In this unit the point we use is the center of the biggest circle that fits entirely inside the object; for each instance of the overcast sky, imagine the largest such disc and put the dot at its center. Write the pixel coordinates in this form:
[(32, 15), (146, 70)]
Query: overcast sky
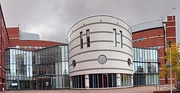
[(52, 19)]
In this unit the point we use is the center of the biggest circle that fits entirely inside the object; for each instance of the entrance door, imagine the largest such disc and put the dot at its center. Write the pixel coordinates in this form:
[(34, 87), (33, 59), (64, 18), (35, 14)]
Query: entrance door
[(44, 83), (139, 79)]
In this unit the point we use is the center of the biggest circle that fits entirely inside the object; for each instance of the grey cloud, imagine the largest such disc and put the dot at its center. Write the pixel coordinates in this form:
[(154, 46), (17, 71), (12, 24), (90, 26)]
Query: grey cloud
[(53, 18)]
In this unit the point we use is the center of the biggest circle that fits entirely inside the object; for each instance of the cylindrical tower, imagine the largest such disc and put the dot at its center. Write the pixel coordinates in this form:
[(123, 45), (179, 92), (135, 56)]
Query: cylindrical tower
[(100, 53)]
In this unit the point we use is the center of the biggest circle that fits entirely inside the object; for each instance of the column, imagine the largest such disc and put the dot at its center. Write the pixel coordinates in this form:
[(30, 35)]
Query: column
[(70, 80), (131, 80), (87, 81), (118, 79)]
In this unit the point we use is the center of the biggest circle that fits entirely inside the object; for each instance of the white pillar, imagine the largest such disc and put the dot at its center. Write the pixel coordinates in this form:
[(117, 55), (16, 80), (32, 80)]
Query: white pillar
[(87, 81), (118, 79), (132, 80), (70, 79)]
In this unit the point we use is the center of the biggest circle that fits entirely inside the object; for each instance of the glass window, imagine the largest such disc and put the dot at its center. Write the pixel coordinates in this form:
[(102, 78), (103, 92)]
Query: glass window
[(22, 65), (36, 47), (154, 47), (88, 37), (133, 41), (102, 80), (120, 39), (146, 70), (137, 39), (40, 47), (81, 40), (25, 47), (78, 81), (158, 46), (18, 46), (114, 38), (30, 47)]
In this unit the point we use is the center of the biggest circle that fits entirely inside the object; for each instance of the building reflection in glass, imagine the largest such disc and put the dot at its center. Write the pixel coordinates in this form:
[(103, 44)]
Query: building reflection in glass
[(45, 68), (145, 66)]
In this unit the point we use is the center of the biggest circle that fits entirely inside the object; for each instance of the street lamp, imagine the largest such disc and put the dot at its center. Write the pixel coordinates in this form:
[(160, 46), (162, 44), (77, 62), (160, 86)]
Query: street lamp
[(170, 65)]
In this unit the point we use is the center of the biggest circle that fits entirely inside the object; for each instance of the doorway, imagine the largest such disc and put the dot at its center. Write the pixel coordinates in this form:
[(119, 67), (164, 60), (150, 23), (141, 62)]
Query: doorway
[(43, 83)]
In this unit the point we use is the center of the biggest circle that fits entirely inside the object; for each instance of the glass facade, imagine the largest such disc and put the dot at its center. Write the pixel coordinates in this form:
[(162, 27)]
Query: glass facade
[(102, 80), (95, 81), (78, 81), (45, 68), (146, 70), (126, 80)]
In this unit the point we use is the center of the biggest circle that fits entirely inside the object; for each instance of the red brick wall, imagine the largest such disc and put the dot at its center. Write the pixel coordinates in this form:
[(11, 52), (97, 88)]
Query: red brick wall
[(171, 18), (3, 45), (171, 29), (13, 32)]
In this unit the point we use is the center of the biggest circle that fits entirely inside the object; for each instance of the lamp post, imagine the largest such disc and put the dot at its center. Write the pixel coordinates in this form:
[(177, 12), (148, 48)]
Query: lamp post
[(170, 65)]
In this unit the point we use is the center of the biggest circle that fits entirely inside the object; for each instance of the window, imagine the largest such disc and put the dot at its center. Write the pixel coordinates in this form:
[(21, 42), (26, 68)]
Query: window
[(159, 47), (120, 39), (133, 41), (36, 47), (25, 47), (78, 81), (88, 37), (74, 63), (149, 67), (102, 80), (114, 39), (81, 40), (30, 47), (141, 38), (102, 59), (40, 47), (154, 47), (18, 46), (137, 39)]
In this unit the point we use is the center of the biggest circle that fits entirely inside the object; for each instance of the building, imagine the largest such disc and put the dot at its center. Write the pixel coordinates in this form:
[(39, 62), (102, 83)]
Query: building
[(155, 34), (45, 68), (100, 53), (20, 40), (3, 45), (26, 67), (146, 71), (28, 36), (100, 56)]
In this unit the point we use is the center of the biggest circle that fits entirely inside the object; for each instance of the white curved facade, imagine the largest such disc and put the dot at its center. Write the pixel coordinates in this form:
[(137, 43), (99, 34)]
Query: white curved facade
[(99, 50)]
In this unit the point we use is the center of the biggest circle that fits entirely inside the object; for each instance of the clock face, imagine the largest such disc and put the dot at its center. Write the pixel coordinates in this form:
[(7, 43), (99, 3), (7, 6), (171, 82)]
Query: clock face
[(102, 59)]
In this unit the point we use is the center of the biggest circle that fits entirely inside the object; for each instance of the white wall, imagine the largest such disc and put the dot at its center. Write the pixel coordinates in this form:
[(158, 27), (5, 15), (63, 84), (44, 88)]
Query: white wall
[(101, 31)]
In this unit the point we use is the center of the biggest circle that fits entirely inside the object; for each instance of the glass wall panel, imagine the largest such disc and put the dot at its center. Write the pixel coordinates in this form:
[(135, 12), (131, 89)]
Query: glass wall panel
[(45, 68), (102, 80), (145, 66)]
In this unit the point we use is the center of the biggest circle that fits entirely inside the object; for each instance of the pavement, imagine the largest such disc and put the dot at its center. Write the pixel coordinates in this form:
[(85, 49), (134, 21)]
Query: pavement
[(142, 89)]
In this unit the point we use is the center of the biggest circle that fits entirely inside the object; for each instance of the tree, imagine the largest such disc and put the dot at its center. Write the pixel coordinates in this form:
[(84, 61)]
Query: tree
[(175, 60)]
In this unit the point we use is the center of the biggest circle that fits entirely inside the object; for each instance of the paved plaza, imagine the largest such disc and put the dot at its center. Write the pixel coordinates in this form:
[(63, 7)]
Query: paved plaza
[(143, 89)]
